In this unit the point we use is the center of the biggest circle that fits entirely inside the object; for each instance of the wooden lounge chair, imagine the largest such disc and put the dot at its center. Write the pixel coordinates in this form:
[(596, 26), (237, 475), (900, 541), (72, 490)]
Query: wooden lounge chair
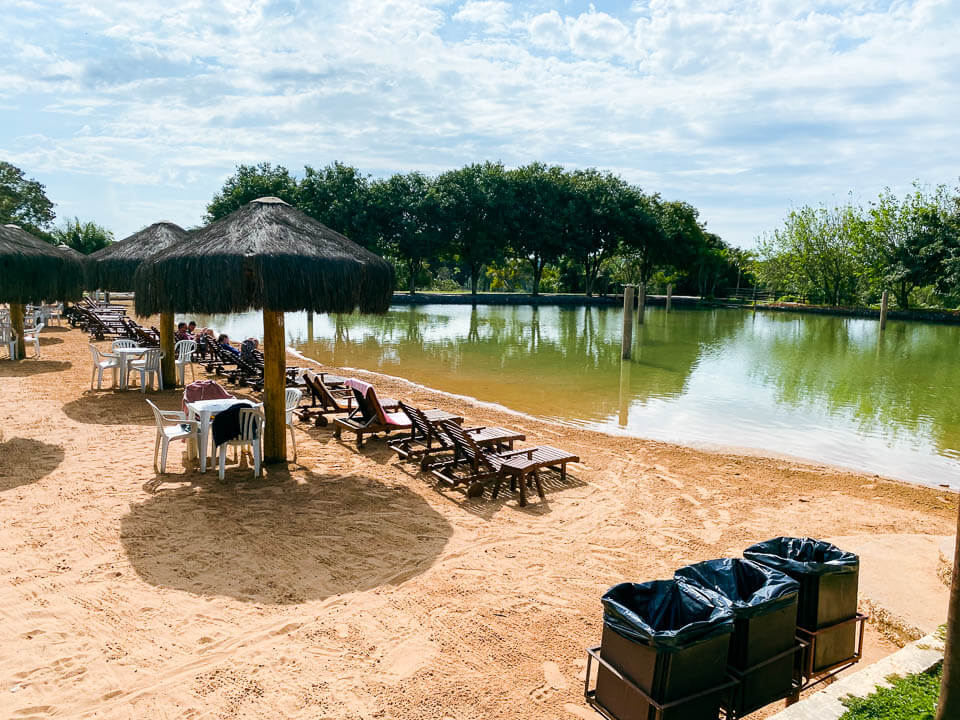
[(482, 466), (327, 400), (426, 439), (370, 416)]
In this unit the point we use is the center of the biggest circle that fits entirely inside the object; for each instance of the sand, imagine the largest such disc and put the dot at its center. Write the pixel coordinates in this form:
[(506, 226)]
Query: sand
[(349, 585)]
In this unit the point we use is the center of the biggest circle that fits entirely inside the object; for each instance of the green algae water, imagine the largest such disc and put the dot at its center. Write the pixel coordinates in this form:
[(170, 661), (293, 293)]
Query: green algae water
[(826, 389)]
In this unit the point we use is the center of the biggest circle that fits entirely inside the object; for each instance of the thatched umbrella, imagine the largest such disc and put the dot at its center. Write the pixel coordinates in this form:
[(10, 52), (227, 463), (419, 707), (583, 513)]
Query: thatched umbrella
[(32, 271), (112, 269), (71, 252), (269, 256)]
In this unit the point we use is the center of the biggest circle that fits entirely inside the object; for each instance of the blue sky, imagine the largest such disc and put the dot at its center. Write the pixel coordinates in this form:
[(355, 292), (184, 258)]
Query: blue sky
[(135, 111)]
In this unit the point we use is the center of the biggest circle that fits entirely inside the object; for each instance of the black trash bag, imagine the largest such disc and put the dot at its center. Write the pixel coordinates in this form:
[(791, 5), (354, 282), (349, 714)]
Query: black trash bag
[(749, 588), (664, 614), (798, 557)]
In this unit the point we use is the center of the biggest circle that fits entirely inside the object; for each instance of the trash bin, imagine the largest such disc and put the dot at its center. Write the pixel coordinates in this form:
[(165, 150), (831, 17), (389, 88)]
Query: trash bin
[(828, 579), (672, 642), (764, 605)]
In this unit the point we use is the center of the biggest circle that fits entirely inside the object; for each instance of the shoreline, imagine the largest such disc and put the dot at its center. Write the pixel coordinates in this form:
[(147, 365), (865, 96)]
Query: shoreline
[(718, 449), (685, 302)]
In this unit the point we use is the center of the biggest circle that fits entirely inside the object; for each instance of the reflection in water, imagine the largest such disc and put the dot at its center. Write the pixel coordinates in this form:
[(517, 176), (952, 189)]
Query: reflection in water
[(829, 389)]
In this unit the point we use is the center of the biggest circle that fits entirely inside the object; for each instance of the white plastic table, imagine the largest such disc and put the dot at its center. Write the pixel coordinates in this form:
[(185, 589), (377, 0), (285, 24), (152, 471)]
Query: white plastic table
[(204, 410), (125, 353)]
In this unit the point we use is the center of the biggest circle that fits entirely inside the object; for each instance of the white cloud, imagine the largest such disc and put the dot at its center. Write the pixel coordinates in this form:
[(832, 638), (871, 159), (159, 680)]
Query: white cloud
[(494, 14), (548, 30), (740, 106)]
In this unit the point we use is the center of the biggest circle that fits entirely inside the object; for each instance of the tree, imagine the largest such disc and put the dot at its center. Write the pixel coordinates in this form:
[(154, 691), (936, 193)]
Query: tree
[(84, 237), (23, 201), (539, 216), (248, 183), (339, 196), (905, 241), (598, 219), (644, 243), (405, 211), (816, 254), (473, 206)]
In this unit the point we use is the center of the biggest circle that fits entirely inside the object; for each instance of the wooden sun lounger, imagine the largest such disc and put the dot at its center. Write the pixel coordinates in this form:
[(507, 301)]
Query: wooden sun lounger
[(426, 439), (326, 400), (369, 417), (482, 466)]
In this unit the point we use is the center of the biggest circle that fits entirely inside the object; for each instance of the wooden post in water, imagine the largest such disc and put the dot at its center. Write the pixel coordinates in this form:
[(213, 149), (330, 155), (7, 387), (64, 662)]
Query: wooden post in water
[(884, 300), (16, 323), (274, 387), (309, 326), (641, 302), (168, 366), (627, 341), (669, 295)]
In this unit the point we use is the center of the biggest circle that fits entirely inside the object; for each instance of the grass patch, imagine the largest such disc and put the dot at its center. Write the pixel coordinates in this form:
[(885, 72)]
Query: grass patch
[(911, 698)]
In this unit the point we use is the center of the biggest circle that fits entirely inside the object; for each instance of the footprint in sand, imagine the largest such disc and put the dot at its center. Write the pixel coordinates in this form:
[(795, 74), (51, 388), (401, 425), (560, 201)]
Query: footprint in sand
[(553, 676)]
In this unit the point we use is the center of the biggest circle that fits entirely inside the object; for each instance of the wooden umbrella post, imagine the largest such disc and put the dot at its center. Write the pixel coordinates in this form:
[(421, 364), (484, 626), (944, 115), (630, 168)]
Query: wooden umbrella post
[(16, 322), (274, 387), (168, 366)]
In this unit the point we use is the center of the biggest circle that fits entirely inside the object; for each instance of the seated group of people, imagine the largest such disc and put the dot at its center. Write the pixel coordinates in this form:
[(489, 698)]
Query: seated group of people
[(247, 352)]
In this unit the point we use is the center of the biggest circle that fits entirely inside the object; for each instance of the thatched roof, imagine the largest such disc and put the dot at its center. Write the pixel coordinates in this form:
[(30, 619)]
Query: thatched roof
[(112, 268), (32, 270), (71, 252), (265, 255)]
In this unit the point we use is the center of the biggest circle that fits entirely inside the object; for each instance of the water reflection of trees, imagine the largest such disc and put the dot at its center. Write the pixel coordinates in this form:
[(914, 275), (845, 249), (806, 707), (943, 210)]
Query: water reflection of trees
[(893, 384), (559, 362)]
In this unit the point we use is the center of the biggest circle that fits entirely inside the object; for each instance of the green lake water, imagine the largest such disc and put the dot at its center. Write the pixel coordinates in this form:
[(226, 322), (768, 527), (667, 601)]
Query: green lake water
[(827, 389)]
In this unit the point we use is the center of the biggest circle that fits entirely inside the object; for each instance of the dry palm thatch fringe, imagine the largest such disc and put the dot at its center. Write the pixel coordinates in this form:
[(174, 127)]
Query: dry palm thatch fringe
[(112, 268), (265, 255), (34, 271)]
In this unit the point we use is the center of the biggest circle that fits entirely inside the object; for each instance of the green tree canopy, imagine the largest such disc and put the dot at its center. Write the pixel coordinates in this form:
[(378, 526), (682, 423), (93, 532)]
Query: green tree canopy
[(250, 182), (474, 202), (339, 196), (84, 237), (23, 201), (404, 210)]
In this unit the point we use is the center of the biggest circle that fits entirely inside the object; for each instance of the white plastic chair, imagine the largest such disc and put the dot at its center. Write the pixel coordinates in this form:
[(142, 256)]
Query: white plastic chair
[(180, 429), (148, 367), (9, 338), (123, 343), (55, 311), (183, 351), (251, 433), (112, 363), (33, 337), (292, 398)]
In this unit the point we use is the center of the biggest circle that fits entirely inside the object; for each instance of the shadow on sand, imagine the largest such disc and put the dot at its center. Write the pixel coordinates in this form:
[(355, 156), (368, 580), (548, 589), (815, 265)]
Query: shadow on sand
[(28, 366), (24, 461), (108, 407), (282, 540)]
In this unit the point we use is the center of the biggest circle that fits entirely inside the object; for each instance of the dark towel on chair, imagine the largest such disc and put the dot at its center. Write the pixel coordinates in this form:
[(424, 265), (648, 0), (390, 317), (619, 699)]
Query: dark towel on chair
[(226, 424)]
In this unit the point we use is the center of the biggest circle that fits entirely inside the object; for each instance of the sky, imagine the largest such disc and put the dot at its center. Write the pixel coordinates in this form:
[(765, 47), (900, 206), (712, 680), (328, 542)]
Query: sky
[(134, 111)]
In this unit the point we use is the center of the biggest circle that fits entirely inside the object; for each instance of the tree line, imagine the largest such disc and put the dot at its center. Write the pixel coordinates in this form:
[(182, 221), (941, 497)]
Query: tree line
[(850, 253), (484, 226)]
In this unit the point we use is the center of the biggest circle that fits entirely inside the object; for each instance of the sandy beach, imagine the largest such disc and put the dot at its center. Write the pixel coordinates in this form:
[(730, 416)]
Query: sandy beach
[(349, 586)]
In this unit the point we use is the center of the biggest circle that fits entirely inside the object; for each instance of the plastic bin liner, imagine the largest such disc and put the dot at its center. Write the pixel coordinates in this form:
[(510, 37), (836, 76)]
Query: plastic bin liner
[(749, 588), (803, 556), (664, 614)]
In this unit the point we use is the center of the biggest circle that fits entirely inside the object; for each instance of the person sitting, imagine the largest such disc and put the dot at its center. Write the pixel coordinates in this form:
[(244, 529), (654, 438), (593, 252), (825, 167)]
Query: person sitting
[(182, 333), (224, 342), (192, 329), (248, 350)]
